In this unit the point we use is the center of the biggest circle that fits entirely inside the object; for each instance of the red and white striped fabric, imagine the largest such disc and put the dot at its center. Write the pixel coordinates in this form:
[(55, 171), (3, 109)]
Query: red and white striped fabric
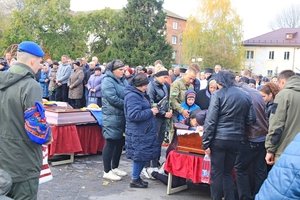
[(46, 174)]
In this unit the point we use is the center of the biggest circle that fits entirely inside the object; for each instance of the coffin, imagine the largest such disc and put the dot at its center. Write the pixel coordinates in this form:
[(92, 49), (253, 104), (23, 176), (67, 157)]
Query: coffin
[(189, 141), (64, 116)]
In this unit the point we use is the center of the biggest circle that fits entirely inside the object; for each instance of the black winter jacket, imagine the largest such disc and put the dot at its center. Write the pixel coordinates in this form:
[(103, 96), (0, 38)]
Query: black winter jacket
[(229, 112), (158, 93)]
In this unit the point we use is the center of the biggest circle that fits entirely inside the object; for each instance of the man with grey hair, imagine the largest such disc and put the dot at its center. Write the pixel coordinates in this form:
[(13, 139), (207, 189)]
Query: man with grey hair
[(62, 76), (20, 156), (218, 68)]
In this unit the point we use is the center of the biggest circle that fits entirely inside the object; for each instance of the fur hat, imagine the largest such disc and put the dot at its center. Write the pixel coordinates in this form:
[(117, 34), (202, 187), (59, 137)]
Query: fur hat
[(31, 48), (140, 79), (160, 70), (5, 182)]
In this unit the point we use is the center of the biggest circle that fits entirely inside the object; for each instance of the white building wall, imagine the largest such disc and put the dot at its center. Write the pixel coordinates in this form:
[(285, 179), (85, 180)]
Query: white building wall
[(260, 64)]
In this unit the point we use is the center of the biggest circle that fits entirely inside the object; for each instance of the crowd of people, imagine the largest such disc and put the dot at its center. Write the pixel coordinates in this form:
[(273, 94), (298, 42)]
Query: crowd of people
[(247, 120)]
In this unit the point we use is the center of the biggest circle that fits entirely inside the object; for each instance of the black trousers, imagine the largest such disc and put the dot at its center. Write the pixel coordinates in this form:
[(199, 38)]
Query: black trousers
[(250, 163), (223, 156), (62, 93), (112, 153)]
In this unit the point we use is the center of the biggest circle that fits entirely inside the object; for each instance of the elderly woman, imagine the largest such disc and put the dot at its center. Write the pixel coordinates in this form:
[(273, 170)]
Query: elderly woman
[(230, 110), (141, 143), (112, 88), (75, 83), (203, 96)]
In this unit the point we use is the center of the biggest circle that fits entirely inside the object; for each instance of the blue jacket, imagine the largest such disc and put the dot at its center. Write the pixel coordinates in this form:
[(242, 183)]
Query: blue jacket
[(140, 140), (283, 181), (187, 107), (44, 85), (113, 106)]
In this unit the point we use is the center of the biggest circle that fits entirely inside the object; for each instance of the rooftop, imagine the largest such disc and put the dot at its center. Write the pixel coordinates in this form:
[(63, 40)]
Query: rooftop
[(284, 37), (174, 15)]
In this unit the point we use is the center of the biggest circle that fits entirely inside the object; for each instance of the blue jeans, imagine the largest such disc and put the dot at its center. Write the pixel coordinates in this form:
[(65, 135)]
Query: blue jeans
[(250, 163), (137, 168)]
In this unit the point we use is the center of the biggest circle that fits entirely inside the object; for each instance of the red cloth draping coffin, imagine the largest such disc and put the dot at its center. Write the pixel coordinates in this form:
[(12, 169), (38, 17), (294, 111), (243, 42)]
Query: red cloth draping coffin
[(91, 138), (65, 140), (184, 165)]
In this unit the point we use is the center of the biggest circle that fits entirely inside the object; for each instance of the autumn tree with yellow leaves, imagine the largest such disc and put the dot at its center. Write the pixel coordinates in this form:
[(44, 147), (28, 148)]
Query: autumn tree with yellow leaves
[(215, 35)]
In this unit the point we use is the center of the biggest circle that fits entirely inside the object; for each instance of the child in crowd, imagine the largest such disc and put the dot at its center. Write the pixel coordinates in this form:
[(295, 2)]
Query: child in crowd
[(188, 104), (44, 81)]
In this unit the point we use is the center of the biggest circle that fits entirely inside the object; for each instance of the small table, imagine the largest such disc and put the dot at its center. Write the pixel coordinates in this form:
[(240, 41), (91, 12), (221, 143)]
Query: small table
[(75, 139), (185, 165)]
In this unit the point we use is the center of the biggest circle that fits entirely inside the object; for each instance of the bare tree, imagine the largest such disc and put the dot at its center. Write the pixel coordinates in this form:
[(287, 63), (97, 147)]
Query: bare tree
[(288, 18)]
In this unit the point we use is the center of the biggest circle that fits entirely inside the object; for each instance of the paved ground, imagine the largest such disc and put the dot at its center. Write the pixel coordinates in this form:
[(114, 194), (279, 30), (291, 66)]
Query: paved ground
[(83, 180)]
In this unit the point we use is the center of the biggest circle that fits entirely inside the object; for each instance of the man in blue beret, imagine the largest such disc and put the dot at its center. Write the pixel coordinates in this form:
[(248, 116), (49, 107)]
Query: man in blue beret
[(19, 156)]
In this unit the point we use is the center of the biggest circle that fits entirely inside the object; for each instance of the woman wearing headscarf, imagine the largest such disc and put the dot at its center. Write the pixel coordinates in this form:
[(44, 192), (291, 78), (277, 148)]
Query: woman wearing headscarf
[(141, 143), (203, 96), (230, 110), (112, 88)]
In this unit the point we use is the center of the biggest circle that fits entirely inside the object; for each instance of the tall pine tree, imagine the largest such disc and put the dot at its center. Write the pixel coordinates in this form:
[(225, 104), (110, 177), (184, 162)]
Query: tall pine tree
[(140, 36)]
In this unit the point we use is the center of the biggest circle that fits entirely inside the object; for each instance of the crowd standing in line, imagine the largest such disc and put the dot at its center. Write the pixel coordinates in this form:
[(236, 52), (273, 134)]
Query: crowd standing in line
[(249, 119)]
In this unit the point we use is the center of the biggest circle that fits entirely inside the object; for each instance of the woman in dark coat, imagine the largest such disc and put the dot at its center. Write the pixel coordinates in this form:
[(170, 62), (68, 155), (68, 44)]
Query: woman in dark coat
[(112, 88), (141, 143), (203, 96)]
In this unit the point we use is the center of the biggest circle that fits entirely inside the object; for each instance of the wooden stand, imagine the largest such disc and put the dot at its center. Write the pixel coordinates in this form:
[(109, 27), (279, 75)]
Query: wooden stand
[(64, 161), (171, 190)]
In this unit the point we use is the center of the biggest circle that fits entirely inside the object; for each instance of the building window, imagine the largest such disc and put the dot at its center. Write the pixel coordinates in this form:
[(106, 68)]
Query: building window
[(174, 55), (249, 54), (270, 73), (286, 55), (174, 39), (175, 25), (271, 55)]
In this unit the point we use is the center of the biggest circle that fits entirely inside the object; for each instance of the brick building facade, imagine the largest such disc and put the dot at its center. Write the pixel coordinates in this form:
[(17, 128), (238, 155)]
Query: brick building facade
[(175, 26)]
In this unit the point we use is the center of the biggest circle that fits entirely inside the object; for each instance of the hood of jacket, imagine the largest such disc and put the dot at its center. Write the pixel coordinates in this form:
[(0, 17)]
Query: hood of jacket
[(17, 72), (293, 83)]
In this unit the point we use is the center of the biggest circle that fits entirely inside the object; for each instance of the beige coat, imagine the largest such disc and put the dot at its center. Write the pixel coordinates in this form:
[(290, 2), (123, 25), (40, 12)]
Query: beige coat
[(75, 84)]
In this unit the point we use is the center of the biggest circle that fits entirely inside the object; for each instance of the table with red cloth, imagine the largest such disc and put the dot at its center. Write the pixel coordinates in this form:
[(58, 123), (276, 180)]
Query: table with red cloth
[(76, 139), (185, 165)]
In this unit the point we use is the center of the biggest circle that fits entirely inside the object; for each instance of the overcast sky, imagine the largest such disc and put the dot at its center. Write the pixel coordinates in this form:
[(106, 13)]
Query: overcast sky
[(257, 15)]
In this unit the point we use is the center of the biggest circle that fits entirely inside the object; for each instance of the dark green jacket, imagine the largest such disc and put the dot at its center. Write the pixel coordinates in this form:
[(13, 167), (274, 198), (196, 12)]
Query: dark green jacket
[(113, 106), (284, 118), (19, 156)]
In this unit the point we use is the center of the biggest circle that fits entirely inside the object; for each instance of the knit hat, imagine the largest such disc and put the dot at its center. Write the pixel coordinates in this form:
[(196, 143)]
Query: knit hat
[(140, 79), (98, 68), (116, 64), (37, 129), (199, 115), (208, 70), (160, 71), (5, 182), (77, 63), (31, 48), (190, 94)]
